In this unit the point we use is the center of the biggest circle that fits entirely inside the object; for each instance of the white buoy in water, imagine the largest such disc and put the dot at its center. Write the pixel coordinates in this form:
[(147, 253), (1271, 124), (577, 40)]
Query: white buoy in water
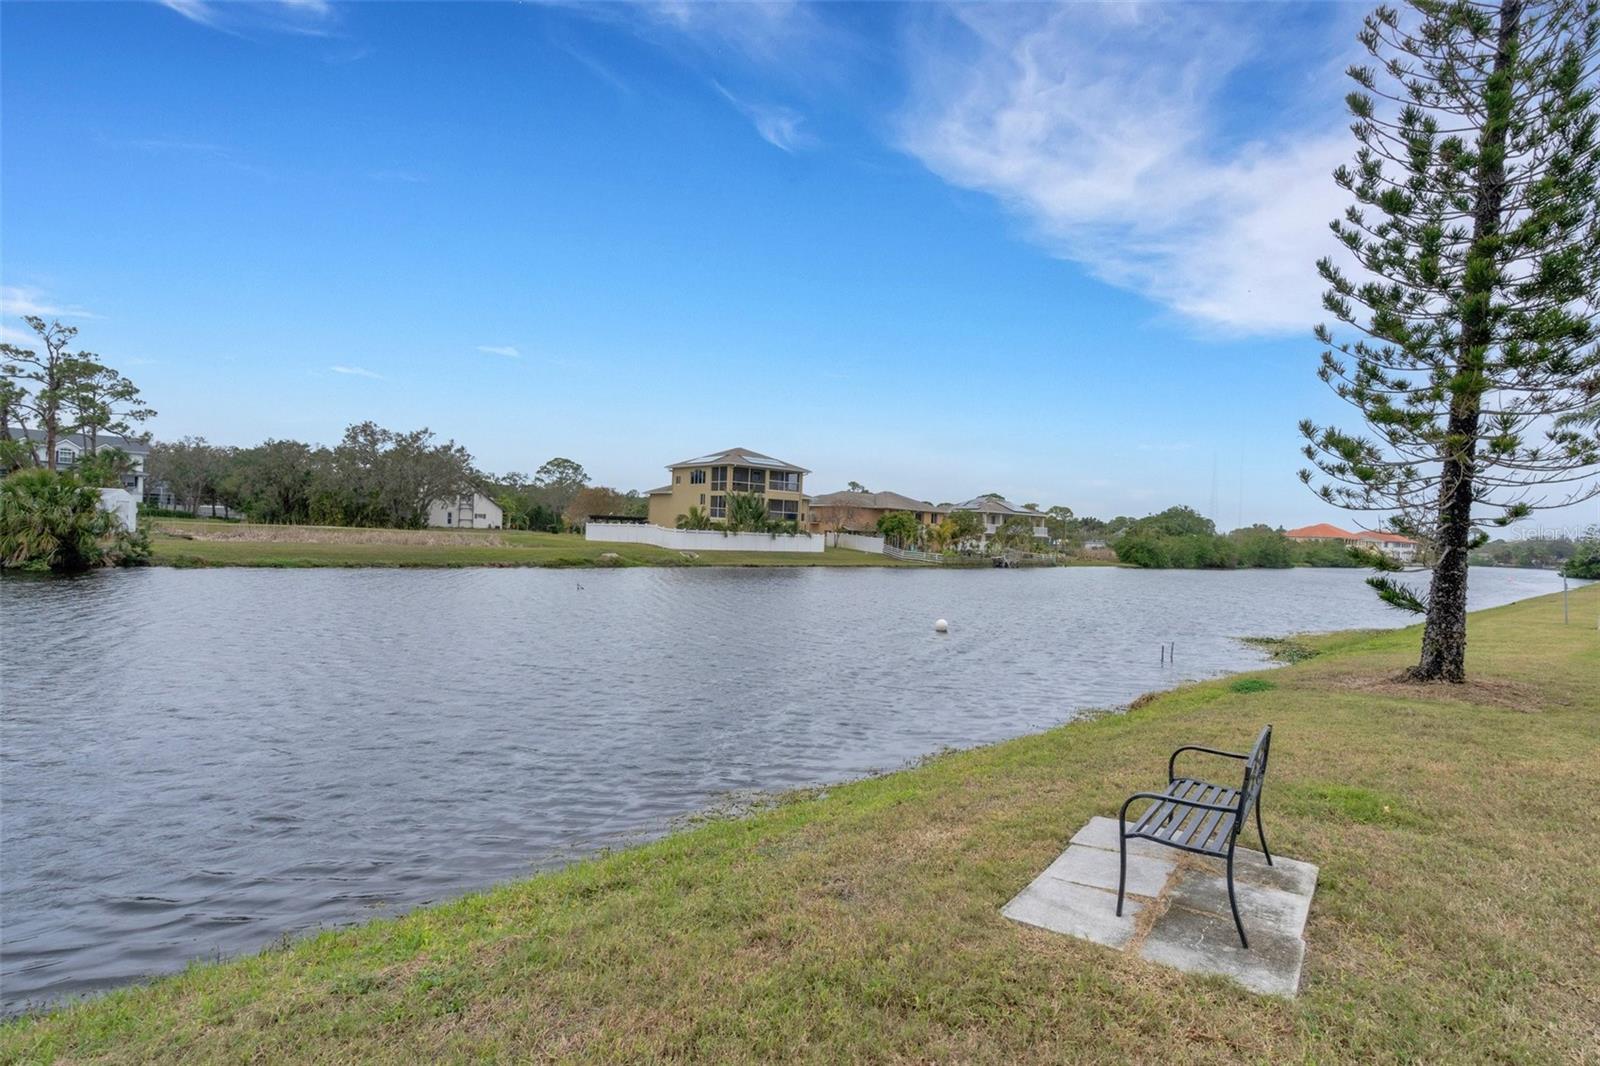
[(941, 626)]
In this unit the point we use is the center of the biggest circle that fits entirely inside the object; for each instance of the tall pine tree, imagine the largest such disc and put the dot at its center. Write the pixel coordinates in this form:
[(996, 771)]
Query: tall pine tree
[(1475, 232)]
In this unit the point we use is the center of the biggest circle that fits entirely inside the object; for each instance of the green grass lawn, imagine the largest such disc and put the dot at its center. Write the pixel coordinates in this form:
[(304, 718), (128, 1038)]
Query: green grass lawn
[(234, 545), (1456, 919)]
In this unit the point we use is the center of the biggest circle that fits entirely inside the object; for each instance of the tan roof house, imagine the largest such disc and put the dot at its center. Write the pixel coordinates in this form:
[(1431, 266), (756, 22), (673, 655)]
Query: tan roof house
[(858, 512), (707, 480)]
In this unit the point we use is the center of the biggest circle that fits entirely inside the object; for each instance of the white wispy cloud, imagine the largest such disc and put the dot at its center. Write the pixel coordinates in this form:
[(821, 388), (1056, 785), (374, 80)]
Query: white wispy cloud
[(200, 11), (594, 66), (311, 17), (781, 127), (790, 46), (356, 371), (22, 338), (19, 300), (500, 349), (1099, 124), (756, 30)]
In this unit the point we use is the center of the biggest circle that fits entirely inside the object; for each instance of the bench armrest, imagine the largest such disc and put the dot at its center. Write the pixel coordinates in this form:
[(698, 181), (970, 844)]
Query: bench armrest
[(1173, 762)]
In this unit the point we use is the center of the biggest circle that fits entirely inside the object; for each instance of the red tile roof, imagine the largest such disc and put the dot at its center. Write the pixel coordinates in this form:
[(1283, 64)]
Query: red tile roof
[(1321, 530)]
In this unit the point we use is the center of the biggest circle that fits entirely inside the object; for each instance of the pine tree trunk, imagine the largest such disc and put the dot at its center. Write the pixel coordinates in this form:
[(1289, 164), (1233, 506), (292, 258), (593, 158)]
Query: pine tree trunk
[(1444, 635)]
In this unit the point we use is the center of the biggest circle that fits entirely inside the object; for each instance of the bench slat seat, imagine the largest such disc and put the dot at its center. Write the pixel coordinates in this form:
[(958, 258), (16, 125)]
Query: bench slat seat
[(1176, 822)]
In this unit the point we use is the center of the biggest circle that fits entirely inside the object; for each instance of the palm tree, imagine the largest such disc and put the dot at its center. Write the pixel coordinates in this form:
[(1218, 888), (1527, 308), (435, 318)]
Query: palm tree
[(107, 467), (695, 519), (747, 513)]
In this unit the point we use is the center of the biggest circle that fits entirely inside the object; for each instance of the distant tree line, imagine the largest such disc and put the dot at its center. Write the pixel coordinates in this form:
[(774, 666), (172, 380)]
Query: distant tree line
[(1182, 538), (372, 477), (1542, 553), (1177, 538)]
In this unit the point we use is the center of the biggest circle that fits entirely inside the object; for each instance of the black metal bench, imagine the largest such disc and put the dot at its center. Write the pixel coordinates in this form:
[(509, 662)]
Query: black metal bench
[(1198, 816)]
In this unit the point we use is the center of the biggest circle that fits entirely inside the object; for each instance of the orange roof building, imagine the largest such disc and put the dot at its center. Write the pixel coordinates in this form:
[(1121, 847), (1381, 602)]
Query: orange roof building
[(1320, 531)]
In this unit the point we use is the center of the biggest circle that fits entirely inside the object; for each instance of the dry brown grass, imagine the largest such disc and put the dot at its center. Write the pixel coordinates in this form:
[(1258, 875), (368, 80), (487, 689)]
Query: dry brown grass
[(264, 534)]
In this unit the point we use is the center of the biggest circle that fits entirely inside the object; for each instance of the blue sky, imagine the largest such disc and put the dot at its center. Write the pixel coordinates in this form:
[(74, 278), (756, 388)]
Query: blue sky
[(1061, 253)]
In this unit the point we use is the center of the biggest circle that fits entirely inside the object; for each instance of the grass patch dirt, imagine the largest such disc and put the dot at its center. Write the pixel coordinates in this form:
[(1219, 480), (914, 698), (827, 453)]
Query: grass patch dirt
[(1455, 918), (1251, 684)]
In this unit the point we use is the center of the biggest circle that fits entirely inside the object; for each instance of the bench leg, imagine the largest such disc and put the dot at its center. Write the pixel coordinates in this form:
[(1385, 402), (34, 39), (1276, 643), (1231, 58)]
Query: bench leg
[(1122, 874), (1262, 833), (1234, 903)]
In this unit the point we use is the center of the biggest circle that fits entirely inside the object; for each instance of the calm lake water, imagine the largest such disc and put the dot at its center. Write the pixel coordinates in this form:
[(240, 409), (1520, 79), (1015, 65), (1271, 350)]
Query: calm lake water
[(197, 762)]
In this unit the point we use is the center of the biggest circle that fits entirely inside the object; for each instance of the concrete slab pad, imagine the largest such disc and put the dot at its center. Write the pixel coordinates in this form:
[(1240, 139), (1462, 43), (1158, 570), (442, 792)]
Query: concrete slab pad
[(1147, 875), (1076, 910), (1103, 833), (1193, 929), (1287, 875), (1259, 907), (1198, 943)]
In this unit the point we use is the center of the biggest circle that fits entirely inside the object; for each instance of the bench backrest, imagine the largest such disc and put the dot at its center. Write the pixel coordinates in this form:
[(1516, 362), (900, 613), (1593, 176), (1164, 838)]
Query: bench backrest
[(1255, 772)]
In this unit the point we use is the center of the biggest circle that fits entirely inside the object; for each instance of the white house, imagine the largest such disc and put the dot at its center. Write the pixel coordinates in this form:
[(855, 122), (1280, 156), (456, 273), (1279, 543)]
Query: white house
[(996, 512), (1402, 549), (70, 447), (470, 510)]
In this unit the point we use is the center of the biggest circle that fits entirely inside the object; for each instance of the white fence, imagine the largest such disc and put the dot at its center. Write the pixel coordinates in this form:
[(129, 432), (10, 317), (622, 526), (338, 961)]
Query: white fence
[(911, 555), (857, 542), (700, 540)]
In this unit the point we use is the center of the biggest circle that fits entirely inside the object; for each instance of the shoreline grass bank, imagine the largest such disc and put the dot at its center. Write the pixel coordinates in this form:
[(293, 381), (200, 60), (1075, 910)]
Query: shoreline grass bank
[(1455, 919), (199, 543)]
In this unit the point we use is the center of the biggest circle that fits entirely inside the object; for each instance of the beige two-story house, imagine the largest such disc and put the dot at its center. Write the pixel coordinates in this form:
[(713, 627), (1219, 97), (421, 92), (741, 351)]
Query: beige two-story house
[(707, 481)]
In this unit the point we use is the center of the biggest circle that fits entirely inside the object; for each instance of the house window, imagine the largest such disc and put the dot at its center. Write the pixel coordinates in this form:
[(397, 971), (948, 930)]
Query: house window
[(697, 477), (702, 499), (480, 516), (719, 479), (784, 510), (66, 456), (449, 519), (747, 480), (719, 507), (784, 482)]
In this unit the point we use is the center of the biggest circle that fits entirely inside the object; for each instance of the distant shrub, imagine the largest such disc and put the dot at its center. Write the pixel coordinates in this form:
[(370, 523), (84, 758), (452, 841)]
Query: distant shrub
[(1324, 553), (52, 521)]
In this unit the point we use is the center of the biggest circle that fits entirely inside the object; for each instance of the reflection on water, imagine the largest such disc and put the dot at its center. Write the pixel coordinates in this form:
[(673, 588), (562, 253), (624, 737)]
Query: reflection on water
[(196, 762)]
